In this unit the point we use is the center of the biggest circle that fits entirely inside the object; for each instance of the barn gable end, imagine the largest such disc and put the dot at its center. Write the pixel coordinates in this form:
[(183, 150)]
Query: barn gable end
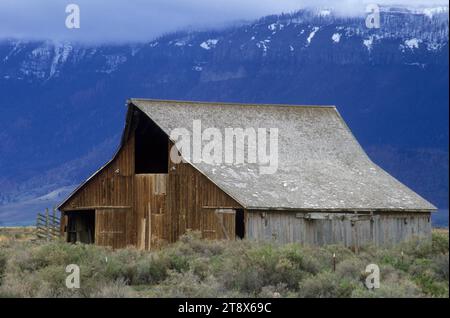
[(147, 209)]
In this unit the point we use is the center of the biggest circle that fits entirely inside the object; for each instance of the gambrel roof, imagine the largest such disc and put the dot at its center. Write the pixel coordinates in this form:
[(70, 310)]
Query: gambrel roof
[(321, 166)]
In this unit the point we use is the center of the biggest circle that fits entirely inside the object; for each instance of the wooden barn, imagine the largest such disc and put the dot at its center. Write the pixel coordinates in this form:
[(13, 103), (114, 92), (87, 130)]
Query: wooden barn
[(325, 190)]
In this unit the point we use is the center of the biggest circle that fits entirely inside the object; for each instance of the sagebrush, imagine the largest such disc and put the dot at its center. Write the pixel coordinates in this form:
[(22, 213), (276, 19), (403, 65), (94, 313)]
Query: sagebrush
[(196, 268)]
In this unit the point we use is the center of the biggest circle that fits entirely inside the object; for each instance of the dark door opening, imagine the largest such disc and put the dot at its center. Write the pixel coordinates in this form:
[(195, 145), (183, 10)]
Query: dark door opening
[(81, 226), (240, 224)]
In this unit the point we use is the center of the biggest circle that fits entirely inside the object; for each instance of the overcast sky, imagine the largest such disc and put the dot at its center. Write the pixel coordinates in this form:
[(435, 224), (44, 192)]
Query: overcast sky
[(143, 20)]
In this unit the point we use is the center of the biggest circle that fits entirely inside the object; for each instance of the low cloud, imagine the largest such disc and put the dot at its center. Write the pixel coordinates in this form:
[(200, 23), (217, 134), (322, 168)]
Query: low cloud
[(142, 20)]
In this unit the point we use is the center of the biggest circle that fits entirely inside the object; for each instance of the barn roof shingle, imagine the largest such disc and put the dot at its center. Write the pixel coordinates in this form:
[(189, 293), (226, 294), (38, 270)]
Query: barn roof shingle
[(321, 164)]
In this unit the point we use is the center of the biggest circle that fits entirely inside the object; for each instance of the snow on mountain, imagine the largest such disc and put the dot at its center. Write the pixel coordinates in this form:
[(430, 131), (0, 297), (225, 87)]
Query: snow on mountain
[(336, 37), (311, 35), (31, 60), (50, 137), (368, 43), (413, 28), (209, 44), (412, 43), (431, 12)]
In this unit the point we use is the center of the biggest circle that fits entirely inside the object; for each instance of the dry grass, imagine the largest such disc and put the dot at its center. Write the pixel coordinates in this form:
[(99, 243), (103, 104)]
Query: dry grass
[(197, 268), (8, 234)]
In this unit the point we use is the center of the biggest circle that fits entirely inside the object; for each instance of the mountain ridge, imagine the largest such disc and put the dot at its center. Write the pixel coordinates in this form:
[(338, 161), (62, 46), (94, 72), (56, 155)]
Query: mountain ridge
[(390, 85)]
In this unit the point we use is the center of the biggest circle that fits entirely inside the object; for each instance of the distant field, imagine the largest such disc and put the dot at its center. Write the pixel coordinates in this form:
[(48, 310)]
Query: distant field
[(19, 233), (197, 268)]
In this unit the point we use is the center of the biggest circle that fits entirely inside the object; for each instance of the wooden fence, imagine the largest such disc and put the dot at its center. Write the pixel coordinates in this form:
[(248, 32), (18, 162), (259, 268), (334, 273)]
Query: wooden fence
[(47, 225)]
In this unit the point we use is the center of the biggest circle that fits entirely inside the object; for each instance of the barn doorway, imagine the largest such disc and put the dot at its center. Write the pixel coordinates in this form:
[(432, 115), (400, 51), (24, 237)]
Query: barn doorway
[(81, 226), (239, 224)]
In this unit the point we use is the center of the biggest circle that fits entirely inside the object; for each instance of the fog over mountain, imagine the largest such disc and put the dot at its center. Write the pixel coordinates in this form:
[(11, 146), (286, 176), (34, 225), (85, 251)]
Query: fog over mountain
[(106, 21), (62, 102)]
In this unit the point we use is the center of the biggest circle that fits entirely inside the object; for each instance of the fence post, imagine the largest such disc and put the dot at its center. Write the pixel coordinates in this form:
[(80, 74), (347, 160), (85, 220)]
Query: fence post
[(47, 225), (334, 262), (37, 225), (54, 223)]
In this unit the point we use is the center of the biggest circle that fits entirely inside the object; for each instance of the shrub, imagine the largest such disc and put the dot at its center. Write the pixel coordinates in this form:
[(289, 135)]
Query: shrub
[(116, 269), (151, 269), (249, 268), (402, 289), (277, 291), (325, 285), (53, 278), (239, 276), (14, 286), (351, 269), (200, 267), (116, 289), (192, 241), (310, 264), (2, 265), (415, 248), (441, 266), (440, 242), (187, 284)]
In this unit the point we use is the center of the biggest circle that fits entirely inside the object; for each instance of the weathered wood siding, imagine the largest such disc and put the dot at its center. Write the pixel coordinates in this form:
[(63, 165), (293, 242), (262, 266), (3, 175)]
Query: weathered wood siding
[(150, 209), (110, 194), (336, 228), (110, 187), (111, 228), (192, 204)]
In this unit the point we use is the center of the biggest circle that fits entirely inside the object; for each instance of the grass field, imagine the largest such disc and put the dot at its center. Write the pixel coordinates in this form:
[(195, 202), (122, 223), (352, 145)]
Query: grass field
[(197, 268)]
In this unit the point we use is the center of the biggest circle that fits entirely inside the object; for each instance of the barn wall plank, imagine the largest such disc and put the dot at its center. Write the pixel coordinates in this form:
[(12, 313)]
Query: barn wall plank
[(337, 228)]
